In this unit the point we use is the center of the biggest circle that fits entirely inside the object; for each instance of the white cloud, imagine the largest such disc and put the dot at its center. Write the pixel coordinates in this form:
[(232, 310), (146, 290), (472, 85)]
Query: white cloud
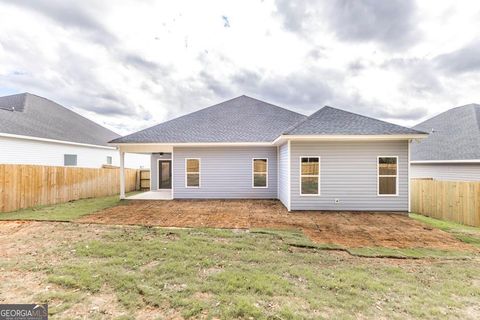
[(131, 64)]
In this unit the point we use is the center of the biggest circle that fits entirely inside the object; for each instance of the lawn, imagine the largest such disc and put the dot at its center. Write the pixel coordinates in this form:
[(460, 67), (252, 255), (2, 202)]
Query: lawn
[(154, 273), (132, 272), (467, 234), (65, 211)]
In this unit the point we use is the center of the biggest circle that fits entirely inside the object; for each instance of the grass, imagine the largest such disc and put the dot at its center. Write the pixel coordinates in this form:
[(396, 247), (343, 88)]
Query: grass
[(462, 232), (226, 274), (65, 211), (262, 275)]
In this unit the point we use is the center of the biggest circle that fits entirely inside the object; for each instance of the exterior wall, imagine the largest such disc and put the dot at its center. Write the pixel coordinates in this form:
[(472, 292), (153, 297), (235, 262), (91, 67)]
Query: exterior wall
[(283, 188), (23, 151), (154, 168), (225, 172), (348, 172), (446, 171)]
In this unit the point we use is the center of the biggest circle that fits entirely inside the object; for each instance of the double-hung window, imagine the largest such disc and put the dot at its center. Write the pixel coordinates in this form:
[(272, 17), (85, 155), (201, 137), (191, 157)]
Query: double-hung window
[(260, 173), (387, 176), (192, 173), (310, 176)]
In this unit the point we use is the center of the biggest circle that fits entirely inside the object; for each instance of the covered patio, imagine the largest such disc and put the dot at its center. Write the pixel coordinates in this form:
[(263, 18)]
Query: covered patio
[(152, 195), (160, 170)]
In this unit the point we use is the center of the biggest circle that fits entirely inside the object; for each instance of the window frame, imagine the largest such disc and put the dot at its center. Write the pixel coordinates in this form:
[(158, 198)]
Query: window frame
[(111, 160), (307, 175), (396, 176), (253, 174), (199, 173), (70, 165)]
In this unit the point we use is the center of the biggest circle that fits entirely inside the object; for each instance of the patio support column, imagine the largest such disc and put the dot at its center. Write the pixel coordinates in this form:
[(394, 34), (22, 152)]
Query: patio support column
[(122, 174)]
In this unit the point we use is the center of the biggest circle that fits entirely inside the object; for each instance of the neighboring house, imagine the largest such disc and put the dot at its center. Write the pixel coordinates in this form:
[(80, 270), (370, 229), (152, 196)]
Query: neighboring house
[(35, 130), (246, 148), (452, 149)]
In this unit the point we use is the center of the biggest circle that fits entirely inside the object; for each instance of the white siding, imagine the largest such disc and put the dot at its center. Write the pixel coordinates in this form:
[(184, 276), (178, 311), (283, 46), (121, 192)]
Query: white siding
[(225, 172), (23, 151), (283, 174), (446, 171), (348, 172)]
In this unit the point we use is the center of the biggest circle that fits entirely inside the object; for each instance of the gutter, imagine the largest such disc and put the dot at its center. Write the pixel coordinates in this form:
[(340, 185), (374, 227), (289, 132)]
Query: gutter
[(16, 136)]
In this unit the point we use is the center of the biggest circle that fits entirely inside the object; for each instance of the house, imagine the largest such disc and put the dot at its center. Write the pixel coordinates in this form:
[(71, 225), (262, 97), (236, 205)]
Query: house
[(246, 148), (452, 149), (35, 130)]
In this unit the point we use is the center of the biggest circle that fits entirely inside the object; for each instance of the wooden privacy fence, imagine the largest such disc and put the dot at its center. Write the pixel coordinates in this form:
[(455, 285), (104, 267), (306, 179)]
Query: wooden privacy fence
[(456, 201), (25, 186), (144, 176)]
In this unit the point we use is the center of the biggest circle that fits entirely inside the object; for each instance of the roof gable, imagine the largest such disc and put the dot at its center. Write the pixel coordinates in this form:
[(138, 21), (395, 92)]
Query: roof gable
[(30, 115), (454, 135), (242, 119), (332, 121)]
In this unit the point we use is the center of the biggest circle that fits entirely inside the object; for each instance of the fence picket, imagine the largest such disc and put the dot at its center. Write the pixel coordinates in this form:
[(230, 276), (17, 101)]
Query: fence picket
[(457, 201), (24, 186)]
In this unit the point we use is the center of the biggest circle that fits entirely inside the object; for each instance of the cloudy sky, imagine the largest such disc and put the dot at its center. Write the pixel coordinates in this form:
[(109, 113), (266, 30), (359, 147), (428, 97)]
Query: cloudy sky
[(131, 64)]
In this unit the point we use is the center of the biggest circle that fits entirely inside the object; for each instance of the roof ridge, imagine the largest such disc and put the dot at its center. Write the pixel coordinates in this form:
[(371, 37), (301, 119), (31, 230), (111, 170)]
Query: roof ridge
[(371, 118), (69, 110), (206, 108), (475, 114), (27, 98), (273, 105), (326, 107), (292, 127), (470, 105), (179, 117)]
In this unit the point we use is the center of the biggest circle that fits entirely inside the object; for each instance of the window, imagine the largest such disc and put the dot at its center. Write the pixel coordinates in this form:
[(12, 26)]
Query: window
[(387, 176), (309, 176), (109, 160), (192, 173), (69, 159), (260, 173)]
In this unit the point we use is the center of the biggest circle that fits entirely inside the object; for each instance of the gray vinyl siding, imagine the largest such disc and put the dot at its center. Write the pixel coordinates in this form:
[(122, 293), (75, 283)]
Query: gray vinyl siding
[(225, 172), (348, 172), (446, 171), (154, 168), (283, 188)]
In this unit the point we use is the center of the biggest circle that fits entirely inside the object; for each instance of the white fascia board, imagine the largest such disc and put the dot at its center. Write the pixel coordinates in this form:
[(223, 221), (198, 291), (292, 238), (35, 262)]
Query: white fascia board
[(386, 137), (446, 161), (16, 136), (199, 144)]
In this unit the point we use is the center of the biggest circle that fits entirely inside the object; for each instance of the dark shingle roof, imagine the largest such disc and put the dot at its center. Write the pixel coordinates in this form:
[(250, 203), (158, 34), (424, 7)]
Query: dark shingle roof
[(332, 121), (30, 115), (454, 135), (245, 119), (242, 119)]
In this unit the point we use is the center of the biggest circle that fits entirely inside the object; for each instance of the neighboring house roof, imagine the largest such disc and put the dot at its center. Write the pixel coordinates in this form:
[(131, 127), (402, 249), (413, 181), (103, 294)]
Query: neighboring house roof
[(245, 119), (242, 119), (26, 114), (454, 135), (332, 121)]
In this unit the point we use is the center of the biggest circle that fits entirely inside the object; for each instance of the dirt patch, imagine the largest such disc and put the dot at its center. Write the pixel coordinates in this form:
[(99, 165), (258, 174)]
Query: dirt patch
[(349, 229)]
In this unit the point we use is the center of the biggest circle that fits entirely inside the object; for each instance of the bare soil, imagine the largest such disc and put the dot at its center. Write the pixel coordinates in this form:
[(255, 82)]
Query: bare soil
[(349, 229)]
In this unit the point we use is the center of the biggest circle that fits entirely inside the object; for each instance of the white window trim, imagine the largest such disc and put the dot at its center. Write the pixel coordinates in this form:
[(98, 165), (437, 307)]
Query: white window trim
[(397, 176), (253, 173), (300, 177), (199, 173)]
